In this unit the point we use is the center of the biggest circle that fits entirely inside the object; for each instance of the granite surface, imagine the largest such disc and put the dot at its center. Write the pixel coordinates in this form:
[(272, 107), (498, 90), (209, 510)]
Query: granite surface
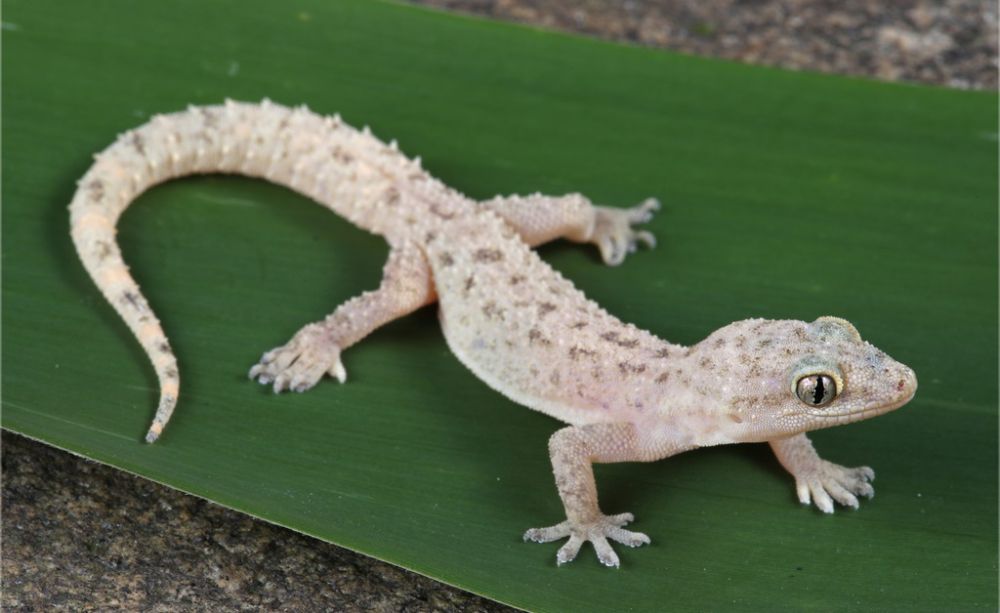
[(941, 42), (80, 536)]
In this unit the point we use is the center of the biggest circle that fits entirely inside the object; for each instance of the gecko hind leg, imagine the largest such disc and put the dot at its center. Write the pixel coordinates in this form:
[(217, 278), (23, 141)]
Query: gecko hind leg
[(315, 350)]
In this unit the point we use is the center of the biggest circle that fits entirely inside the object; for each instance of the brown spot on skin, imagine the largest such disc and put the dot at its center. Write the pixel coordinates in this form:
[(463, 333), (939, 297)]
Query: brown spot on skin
[(545, 308), (576, 352), (209, 117), (554, 377), (745, 402), (706, 363), (131, 299), (170, 373), (533, 371), (629, 344), (719, 343), (487, 255), (515, 279), (611, 337), (392, 196), (96, 189), (138, 144), (663, 377), (102, 250), (469, 282), (445, 259), (429, 237), (578, 325), (535, 336), (342, 156), (521, 304), (630, 368), (741, 341), (662, 353), (163, 347), (490, 310), (735, 418), (764, 342)]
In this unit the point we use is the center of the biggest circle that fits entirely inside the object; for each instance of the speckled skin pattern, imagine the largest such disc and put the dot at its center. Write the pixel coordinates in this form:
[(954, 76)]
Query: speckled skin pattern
[(509, 317)]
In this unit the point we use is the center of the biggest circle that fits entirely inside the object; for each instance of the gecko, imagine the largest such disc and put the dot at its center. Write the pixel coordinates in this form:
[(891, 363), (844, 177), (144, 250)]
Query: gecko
[(624, 394)]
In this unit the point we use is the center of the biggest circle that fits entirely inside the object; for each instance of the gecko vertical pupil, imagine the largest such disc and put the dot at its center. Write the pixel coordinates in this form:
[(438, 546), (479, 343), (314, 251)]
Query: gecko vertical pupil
[(816, 390)]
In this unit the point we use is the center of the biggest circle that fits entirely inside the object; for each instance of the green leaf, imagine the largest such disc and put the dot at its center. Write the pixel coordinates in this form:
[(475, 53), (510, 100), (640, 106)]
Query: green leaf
[(787, 195)]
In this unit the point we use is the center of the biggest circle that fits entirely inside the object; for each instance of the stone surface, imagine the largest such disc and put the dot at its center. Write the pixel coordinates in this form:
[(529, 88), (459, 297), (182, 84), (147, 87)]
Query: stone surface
[(82, 536), (941, 42)]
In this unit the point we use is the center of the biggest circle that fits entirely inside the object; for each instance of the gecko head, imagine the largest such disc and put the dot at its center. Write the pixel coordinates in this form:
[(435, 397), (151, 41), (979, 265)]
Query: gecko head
[(786, 377)]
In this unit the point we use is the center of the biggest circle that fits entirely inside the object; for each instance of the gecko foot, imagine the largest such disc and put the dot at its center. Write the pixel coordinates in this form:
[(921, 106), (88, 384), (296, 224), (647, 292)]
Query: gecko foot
[(826, 482), (597, 532), (301, 363), (613, 232)]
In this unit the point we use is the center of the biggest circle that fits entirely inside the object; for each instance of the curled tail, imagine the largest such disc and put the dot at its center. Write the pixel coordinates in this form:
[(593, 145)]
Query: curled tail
[(346, 170)]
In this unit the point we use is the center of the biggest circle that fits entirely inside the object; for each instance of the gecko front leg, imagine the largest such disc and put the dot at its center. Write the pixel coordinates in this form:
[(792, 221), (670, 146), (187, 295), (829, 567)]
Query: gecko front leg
[(821, 481), (539, 219), (573, 450), (315, 349)]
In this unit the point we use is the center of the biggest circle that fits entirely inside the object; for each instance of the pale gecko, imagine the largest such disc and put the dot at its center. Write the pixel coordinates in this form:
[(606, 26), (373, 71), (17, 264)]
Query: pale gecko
[(515, 322)]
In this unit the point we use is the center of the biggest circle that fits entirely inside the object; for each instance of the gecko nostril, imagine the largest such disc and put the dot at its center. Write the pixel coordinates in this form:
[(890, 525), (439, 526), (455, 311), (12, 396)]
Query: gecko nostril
[(901, 385)]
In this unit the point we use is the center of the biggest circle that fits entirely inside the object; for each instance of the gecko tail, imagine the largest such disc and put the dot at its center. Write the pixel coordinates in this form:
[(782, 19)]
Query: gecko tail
[(102, 195), (291, 147)]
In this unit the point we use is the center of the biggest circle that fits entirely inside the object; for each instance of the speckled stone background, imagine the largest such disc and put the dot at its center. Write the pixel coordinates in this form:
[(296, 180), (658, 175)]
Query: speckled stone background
[(941, 42), (80, 536)]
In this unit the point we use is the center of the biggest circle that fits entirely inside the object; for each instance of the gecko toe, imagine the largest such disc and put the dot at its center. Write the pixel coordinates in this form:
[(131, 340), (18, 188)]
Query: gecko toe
[(820, 498), (567, 553), (605, 553), (628, 537), (547, 535)]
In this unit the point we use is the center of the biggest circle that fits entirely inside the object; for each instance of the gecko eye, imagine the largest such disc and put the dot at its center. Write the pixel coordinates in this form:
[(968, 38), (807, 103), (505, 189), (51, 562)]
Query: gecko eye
[(816, 390)]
